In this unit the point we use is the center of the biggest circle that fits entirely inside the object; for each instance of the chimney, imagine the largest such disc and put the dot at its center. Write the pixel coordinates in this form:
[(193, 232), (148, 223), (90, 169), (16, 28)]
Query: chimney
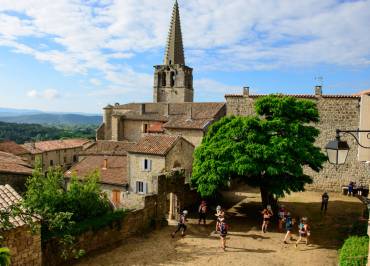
[(142, 109), (318, 90), (105, 164), (245, 91)]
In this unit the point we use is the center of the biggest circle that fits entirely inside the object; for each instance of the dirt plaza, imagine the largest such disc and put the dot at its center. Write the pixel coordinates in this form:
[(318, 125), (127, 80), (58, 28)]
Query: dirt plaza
[(246, 244)]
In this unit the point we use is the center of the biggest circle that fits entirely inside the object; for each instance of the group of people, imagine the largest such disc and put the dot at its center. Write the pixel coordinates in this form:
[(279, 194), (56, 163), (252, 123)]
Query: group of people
[(285, 220), (221, 226)]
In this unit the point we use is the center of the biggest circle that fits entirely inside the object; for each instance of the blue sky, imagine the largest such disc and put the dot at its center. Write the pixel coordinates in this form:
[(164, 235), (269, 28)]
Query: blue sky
[(77, 56)]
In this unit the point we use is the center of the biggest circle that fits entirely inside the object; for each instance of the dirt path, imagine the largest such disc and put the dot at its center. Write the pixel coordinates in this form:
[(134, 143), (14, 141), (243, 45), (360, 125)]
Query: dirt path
[(246, 244)]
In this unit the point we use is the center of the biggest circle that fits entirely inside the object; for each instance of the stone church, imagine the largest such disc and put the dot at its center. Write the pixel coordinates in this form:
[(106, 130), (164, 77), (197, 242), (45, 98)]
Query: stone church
[(173, 111)]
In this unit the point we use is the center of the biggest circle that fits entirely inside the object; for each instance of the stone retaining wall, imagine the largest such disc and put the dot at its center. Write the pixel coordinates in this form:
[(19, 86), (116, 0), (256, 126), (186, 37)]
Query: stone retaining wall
[(25, 248)]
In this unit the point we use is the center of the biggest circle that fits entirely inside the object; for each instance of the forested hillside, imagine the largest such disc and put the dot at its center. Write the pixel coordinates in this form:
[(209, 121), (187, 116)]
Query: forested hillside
[(21, 133), (54, 119)]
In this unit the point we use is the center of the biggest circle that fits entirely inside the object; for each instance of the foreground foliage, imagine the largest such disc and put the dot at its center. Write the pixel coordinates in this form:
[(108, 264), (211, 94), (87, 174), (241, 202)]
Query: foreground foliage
[(4, 256), (354, 251), (267, 151)]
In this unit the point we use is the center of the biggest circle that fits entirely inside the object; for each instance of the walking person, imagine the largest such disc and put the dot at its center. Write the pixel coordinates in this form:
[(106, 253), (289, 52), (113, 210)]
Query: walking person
[(324, 201), (223, 233), (266, 215), (304, 231), (350, 188), (219, 214), (202, 211), (288, 227), (282, 215), (181, 225)]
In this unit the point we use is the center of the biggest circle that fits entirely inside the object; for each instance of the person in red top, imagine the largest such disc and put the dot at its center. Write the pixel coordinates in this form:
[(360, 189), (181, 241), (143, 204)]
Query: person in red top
[(202, 210)]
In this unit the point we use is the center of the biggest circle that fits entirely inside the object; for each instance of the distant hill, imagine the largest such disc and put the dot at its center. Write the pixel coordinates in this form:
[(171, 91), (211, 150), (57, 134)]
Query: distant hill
[(17, 112), (54, 119)]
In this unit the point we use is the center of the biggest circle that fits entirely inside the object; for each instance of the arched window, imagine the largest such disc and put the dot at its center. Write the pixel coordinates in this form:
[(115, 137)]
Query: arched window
[(164, 79), (173, 77)]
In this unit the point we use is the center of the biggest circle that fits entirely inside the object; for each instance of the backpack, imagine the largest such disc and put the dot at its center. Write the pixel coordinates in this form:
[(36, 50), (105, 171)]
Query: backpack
[(288, 222), (223, 229)]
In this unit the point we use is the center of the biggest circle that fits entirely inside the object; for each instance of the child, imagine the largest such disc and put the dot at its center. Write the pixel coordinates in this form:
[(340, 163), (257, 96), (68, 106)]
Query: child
[(219, 214), (202, 210), (223, 232), (181, 225), (266, 214), (304, 231), (288, 226)]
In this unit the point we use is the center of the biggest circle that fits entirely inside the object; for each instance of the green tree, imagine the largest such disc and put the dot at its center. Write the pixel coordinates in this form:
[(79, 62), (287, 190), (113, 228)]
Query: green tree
[(267, 151), (4, 256)]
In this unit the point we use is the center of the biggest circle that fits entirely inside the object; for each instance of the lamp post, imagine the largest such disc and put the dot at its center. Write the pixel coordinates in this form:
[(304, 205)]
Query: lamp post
[(337, 149)]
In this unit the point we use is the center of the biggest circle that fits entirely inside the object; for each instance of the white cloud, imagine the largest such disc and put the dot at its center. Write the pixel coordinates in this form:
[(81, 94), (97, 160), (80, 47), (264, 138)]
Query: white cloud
[(48, 94), (95, 82), (242, 35)]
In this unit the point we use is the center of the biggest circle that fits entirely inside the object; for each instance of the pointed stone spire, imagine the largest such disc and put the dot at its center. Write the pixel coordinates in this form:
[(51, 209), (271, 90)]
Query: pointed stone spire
[(174, 50)]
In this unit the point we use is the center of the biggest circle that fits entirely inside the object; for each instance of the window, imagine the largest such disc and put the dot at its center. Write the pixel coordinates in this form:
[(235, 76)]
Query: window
[(116, 197), (51, 162), (141, 187), (164, 79), (74, 158), (147, 165), (65, 159), (173, 77)]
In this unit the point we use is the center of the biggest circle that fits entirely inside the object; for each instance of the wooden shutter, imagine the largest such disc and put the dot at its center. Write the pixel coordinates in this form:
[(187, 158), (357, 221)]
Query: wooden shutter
[(137, 186), (150, 165), (116, 197), (145, 188)]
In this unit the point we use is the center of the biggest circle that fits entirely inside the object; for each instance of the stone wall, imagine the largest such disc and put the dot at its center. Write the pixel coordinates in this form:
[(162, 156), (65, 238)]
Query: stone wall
[(192, 135), (17, 181), (25, 248), (335, 112)]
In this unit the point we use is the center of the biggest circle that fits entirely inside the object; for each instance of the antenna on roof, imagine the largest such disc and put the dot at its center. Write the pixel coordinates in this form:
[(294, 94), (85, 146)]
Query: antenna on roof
[(319, 80)]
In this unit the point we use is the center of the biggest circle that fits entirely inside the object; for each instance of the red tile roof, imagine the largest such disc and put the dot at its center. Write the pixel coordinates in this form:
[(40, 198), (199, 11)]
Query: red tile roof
[(10, 163), (107, 147), (50, 145), (9, 197), (12, 147), (156, 127), (154, 144), (114, 174), (185, 122)]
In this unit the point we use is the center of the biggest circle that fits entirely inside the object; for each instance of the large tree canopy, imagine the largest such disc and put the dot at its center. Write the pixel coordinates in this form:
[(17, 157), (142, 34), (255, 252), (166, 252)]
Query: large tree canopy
[(267, 151)]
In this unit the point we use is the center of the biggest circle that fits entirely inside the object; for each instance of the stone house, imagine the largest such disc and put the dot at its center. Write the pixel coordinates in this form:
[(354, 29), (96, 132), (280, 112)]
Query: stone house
[(53, 153), (109, 159), (364, 154), (16, 149), (14, 171), (155, 154), (25, 247)]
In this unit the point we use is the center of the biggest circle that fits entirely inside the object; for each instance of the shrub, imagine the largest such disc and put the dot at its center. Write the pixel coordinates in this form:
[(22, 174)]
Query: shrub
[(354, 251), (359, 228)]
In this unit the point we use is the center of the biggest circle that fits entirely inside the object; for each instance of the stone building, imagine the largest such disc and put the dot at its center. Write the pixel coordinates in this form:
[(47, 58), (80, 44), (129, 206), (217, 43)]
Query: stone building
[(336, 112), (363, 153), (25, 247), (172, 111), (16, 149), (127, 171), (14, 171), (155, 154), (53, 153), (109, 159)]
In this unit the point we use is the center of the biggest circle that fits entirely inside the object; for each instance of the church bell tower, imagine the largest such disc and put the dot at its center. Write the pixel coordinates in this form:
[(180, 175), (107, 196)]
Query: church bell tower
[(173, 81)]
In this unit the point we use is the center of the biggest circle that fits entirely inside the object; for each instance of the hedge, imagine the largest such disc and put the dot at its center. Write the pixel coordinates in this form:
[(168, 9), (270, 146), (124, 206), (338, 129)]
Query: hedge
[(354, 251)]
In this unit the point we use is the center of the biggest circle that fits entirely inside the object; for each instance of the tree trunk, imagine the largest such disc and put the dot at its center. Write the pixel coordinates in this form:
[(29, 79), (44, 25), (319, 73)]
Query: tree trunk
[(268, 199)]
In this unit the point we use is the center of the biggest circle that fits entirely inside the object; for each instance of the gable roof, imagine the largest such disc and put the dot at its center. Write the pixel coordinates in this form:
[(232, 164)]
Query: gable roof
[(10, 163), (12, 147), (159, 144), (51, 145), (114, 174), (309, 96), (9, 197), (107, 147)]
